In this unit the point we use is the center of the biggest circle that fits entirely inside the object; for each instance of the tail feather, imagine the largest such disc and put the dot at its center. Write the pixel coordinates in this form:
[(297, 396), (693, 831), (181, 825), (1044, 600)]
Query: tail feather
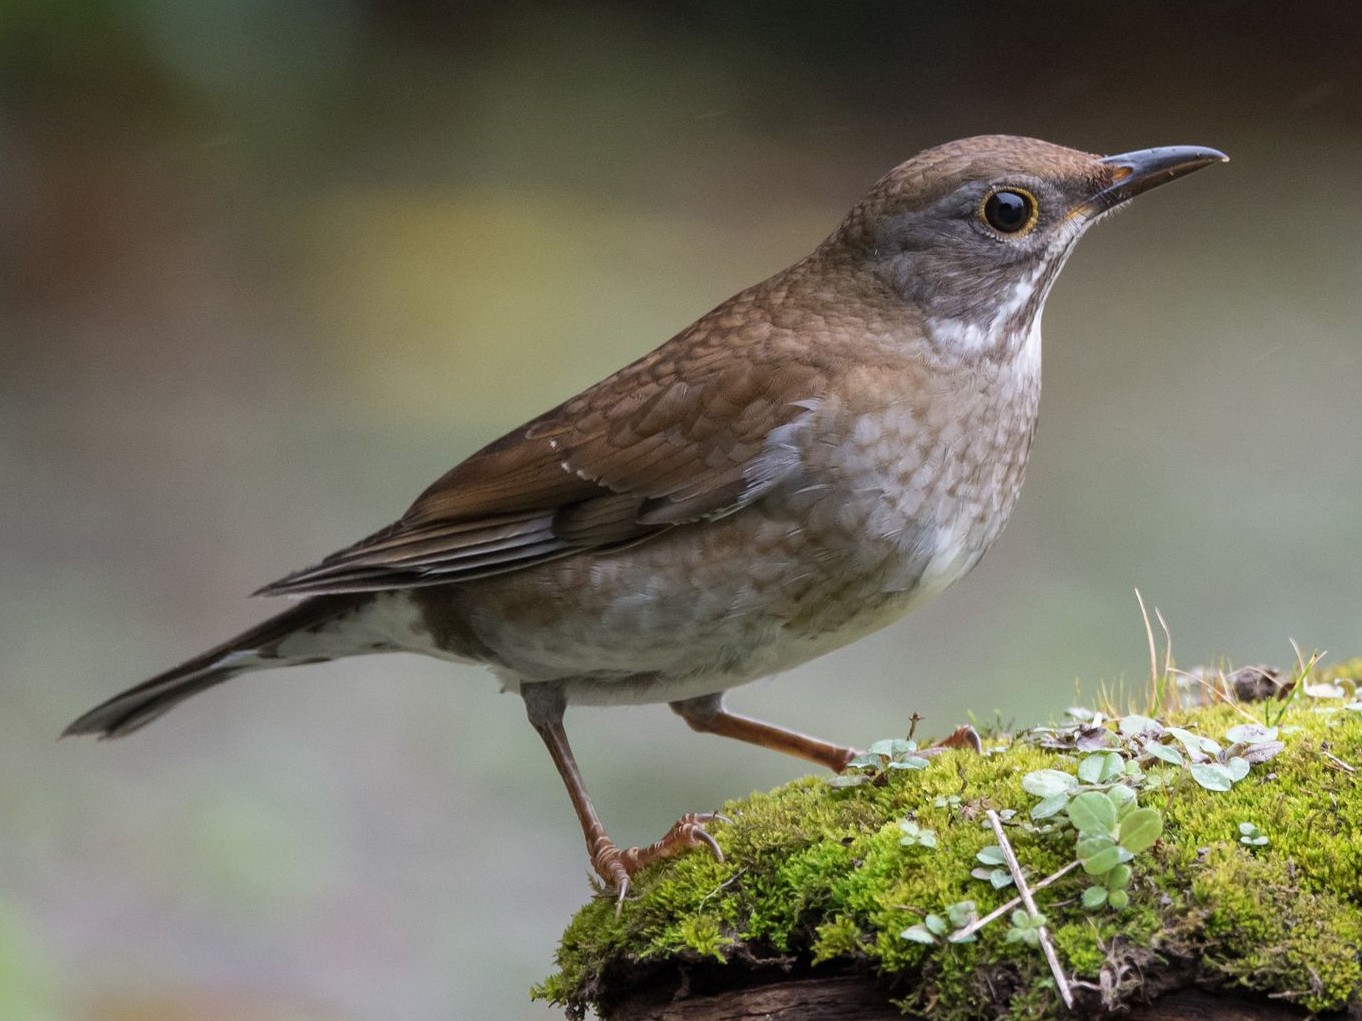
[(250, 650)]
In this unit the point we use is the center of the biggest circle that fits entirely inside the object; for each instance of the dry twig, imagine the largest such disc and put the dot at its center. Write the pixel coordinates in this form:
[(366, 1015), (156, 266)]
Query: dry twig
[(1014, 866)]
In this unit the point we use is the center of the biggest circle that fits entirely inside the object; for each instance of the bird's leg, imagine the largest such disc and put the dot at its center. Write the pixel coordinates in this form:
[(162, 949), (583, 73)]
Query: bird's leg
[(544, 704), (708, 715)]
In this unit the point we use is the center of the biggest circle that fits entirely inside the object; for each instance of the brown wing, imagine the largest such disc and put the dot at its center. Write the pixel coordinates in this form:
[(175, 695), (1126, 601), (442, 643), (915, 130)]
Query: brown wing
[(680, 435)]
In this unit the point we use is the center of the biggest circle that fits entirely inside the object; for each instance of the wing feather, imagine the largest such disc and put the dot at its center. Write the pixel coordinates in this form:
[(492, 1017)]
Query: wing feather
[(690, 431)]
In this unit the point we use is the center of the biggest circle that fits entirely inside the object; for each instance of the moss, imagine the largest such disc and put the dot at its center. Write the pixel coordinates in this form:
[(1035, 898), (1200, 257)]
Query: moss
[(818, 877)]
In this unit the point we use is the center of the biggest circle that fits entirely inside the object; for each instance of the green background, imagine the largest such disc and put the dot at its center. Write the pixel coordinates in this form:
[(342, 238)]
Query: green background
[(268, 267)]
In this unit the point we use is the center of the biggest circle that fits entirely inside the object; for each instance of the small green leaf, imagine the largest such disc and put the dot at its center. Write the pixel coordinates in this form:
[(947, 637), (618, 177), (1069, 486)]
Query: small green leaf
[(1123, 798), (1046, 783), (909, 762), (1105, 860), (1092, 812), (1094, 897), (935, 924), (1118, 899), (1251, 835), (1100, 767), (848, 780), (999, 878), (1089, 846), (1119, 877), (1165, 753), (915, 835), (1140, 829), (917, 934), (1250, 733), (890, 747), (1213, 776), (1238, 767), (1052, 805), (1198, 747), (992, 855), (962, 912), (1136, 724)]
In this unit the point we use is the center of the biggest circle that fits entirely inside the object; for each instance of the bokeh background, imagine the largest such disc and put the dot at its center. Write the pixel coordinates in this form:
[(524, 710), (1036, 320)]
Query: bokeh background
[(267, 267)]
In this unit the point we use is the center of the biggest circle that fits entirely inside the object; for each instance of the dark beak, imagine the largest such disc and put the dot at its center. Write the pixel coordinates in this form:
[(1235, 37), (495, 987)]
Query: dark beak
[(1134, 172)]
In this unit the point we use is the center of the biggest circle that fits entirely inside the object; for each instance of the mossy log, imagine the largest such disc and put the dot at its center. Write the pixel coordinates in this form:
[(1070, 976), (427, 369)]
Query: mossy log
[(826, 905)]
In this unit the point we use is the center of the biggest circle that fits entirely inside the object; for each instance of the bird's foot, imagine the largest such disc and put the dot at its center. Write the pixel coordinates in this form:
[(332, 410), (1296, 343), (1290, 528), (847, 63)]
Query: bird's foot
[(617, 866), (962, 737)]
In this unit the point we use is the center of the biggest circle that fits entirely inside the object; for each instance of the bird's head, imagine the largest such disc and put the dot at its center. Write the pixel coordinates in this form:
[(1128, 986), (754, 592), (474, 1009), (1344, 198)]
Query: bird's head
[(973, 233)]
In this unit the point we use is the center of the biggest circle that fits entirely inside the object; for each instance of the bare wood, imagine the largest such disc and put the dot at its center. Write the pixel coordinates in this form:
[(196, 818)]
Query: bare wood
[(848, 997), (842, 998)]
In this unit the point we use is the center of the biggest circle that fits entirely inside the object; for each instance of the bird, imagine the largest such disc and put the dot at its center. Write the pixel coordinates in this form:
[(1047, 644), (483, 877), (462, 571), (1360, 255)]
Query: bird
[(801, 466)]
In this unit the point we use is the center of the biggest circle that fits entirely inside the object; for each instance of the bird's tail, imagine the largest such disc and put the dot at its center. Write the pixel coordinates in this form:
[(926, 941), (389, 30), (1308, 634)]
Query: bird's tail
[(262, 647)]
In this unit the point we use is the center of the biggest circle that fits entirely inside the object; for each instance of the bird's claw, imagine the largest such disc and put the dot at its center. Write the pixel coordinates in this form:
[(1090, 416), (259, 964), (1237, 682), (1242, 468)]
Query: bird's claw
[(616, 866)]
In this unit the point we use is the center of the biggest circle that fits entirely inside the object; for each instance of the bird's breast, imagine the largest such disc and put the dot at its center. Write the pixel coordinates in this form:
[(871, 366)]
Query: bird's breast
[(890, 496)]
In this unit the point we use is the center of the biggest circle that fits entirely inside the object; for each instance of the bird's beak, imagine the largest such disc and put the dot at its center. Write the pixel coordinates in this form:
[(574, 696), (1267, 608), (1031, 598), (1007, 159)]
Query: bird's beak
[(1131, 173)]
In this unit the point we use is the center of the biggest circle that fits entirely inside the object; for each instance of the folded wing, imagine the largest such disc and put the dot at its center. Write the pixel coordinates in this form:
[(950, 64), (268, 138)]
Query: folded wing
[(691, 431)]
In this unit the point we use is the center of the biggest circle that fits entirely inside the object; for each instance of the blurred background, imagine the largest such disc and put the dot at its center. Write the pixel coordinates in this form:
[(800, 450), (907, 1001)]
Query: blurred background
[(268, 267)]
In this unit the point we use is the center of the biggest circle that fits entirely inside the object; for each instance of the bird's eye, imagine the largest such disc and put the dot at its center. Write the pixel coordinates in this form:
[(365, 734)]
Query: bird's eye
[(1010, 211)]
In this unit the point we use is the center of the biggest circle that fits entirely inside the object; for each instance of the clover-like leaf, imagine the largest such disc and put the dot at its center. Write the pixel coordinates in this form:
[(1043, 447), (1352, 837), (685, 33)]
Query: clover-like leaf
[(1261, 751), (1046, 783), (891, 747), (1325, 689), (1101, 767), (917, 934), (1094, 739), (1123, 798), (1104, 861), (848, 780), (915, 835), (1092, 812), (998, 878), (1135, 724), (1140, 829), (1052, 805), (1118, 899), (1238, 767), (1094, 897), (1088, 846), (1198, 748), (1099, 855), (1250, 733), (909, 762), (992, 855), (1165, 753), (1251, 835), (1119, 877), (961, 913), (1213, 776)]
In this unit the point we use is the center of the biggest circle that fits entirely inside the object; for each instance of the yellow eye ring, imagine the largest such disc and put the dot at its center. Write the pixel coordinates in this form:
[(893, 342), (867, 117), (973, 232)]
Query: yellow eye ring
[(1009, 212)]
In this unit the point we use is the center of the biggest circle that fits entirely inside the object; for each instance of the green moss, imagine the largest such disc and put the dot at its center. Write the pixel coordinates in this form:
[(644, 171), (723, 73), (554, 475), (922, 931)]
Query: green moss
[(819, 875)]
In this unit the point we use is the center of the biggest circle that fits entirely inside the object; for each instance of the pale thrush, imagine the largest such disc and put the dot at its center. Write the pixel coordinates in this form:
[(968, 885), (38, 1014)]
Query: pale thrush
[(821, 453)]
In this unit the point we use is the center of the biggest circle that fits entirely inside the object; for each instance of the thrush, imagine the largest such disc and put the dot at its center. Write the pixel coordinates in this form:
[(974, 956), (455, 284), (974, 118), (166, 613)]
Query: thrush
[(801, 466)]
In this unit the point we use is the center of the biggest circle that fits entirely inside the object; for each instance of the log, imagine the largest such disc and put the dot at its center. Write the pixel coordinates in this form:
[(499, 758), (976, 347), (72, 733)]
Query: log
[(1194, 862)]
